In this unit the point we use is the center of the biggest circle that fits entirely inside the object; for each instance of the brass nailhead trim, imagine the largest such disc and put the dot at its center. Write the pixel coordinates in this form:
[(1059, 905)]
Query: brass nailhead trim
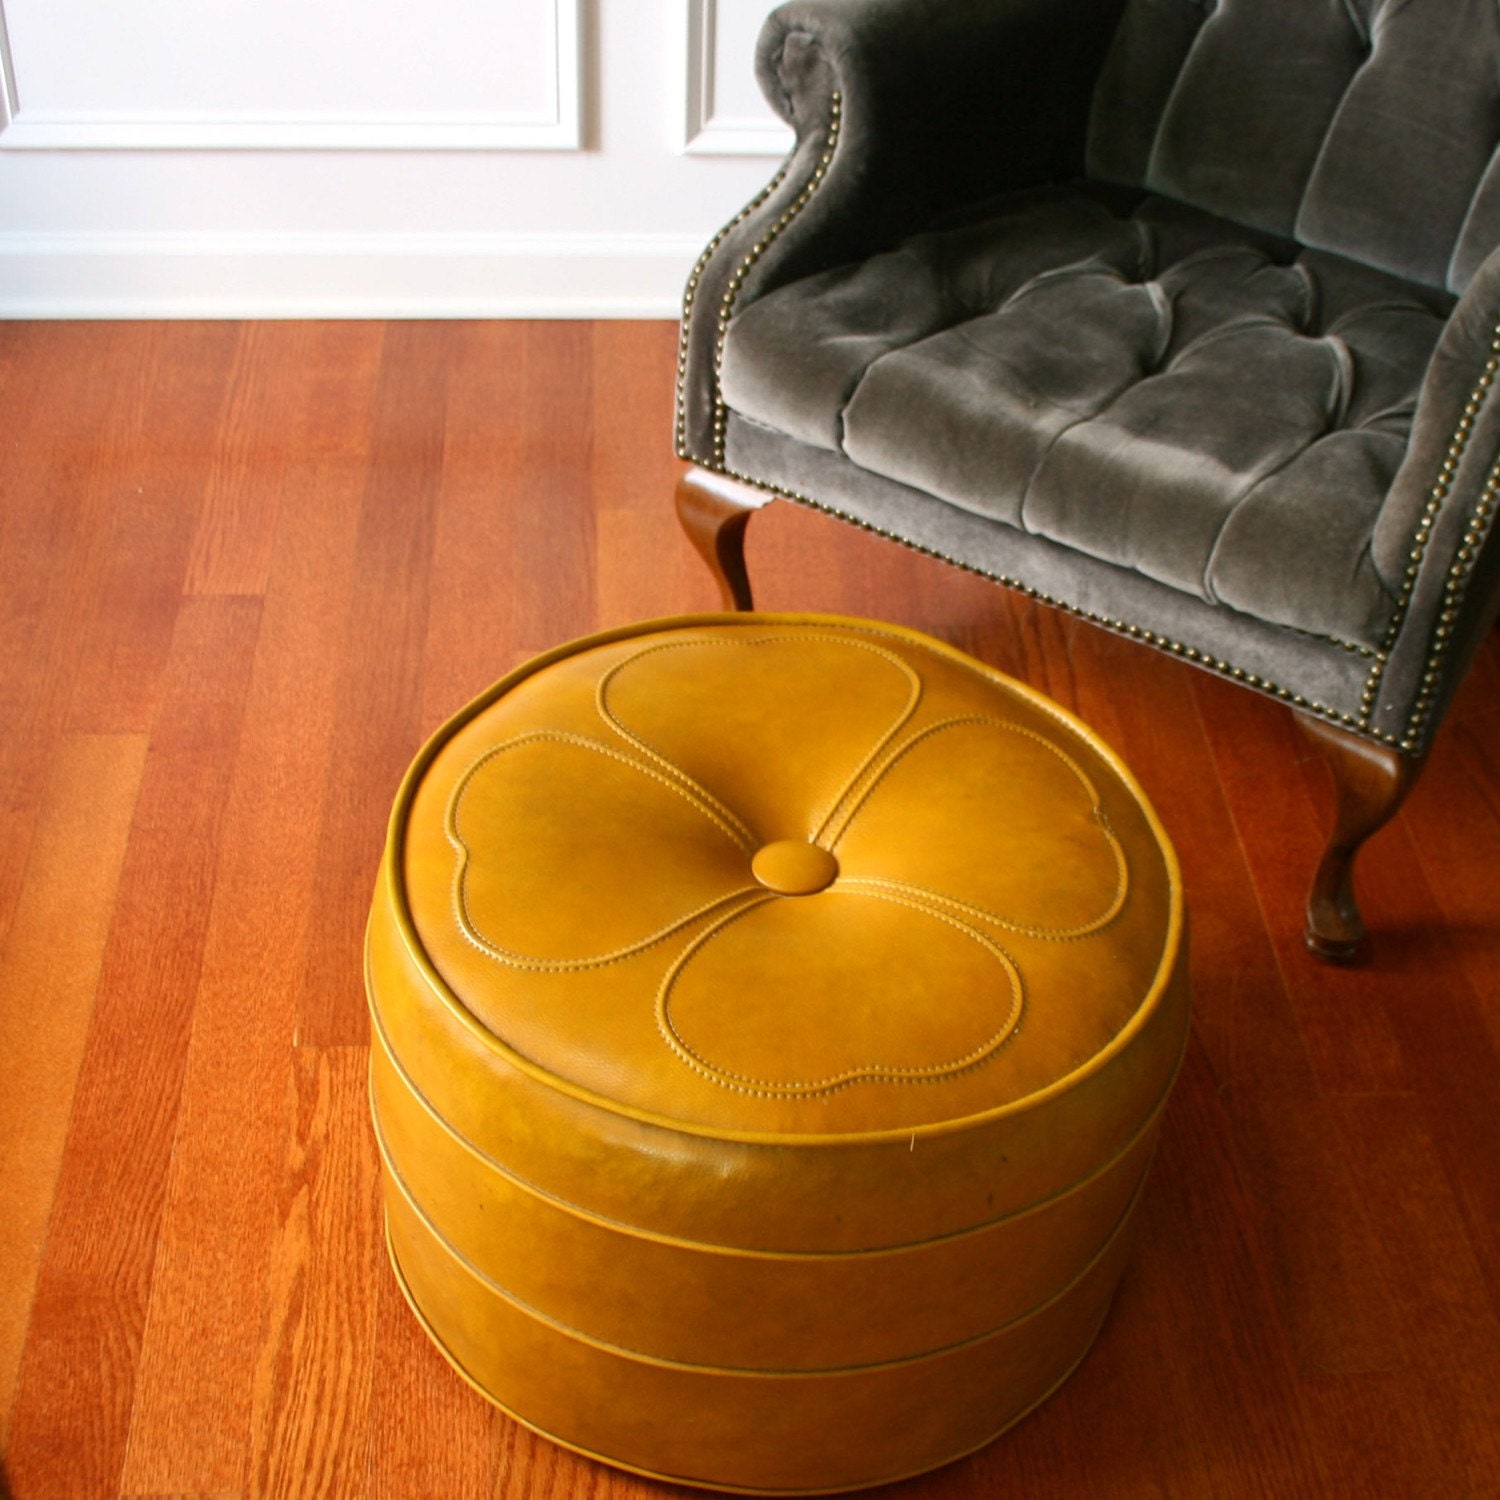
[(1454, 585), (1120, 627), (691, 294), (737, 279)]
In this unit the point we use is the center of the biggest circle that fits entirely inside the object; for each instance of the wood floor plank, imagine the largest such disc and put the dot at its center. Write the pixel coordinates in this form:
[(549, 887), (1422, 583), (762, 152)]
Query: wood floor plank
[(1244, 1018), (377, 722), (1454, 826), (1455, 1070), (803, 560), (644, 565), (1442, 1030), (549, 492), (514, 549), (272, 391), (1281, 801), (1321, 1246), (49, 973), (309, 1434), (160, 470), (1207, 1345), (470, 643), (43, 486), (426, 1437), (524, 1464), (78, 1368), (1154, 1409), (1318, 1248), (214, 1246), (71, 396), (1439, 1304)]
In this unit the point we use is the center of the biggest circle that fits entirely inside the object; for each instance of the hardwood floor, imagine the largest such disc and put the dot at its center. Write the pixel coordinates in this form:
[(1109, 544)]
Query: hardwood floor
[(244, 569)]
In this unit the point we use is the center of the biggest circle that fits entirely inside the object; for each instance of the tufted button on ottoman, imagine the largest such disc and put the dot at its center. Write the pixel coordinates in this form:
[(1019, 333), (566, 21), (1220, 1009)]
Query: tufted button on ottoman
[(772, 1017)]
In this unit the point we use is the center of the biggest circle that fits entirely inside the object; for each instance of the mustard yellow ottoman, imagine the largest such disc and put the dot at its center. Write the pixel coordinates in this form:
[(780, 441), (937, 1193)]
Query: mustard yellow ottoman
[(772, 1018)]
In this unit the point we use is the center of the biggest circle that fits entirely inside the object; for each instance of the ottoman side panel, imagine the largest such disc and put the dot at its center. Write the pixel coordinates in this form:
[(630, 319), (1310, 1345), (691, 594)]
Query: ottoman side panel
[(685, 1300), (772, 1020), (762, 1433), (832, 1193)]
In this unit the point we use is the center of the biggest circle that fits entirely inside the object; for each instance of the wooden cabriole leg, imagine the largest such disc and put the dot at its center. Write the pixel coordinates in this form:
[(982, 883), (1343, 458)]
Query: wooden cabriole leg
[(1370, 783), (714, 511)]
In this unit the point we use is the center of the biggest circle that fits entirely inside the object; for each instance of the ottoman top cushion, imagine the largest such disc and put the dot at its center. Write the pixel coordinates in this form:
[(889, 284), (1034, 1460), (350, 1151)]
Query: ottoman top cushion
[(769, 875)]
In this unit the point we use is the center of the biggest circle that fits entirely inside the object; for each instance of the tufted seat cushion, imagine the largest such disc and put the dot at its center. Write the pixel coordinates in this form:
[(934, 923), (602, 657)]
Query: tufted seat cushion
[(773, 1016), (1208, 406)]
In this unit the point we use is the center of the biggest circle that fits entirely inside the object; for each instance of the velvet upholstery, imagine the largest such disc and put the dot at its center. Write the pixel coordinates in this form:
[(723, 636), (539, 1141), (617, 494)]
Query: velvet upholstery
[(1180, 315), (1151, 389), (1313, 118)]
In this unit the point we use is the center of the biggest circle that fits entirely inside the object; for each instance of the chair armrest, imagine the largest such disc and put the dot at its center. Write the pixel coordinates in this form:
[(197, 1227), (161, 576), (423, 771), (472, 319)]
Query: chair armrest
[(944, 101), (1435, 540), (903, 110)]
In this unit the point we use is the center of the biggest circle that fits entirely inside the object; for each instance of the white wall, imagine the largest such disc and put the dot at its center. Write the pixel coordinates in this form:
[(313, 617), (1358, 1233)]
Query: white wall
[(371, 157)]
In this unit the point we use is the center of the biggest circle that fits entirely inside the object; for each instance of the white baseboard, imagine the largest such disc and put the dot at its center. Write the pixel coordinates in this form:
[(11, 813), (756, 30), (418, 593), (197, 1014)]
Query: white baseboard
[(344, 276)]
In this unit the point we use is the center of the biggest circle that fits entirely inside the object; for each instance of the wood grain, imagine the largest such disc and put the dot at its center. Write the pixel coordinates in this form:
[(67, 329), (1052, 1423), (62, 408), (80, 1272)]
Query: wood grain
[(212, 1258), (314, 1379), (70, 406), (641, 566), (260, 438), (154, 434), (378, 662), (246, 570), (79, 1365), (476, 557), (49, 974), (426, 1437)]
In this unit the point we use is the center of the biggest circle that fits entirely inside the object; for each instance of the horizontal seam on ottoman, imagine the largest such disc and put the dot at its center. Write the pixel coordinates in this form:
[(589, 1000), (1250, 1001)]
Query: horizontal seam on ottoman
[(567, 1205), (750, 1372)]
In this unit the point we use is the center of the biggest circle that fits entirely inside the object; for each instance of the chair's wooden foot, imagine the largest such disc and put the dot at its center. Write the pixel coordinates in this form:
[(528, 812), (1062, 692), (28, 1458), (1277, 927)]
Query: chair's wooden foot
[(1370, 783), (714, 511)]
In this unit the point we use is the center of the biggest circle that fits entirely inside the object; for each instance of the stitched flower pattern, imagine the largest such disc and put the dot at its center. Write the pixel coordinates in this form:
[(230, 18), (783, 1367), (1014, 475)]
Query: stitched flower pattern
[(664, 819)]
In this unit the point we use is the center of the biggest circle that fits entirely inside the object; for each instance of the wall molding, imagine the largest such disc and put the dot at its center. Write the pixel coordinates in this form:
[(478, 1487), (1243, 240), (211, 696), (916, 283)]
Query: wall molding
[(344, 275), (8, 104), (704, 130), (23, 129)]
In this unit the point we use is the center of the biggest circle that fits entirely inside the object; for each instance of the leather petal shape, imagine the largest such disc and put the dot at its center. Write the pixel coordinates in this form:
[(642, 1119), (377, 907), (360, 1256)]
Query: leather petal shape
[(909, 830), (836, 999), (777, 750), (632, 852)]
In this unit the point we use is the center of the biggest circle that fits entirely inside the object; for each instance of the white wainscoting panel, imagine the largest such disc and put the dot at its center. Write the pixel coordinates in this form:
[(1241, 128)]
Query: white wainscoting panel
[(306, 158), (293, 74), (725, 114)]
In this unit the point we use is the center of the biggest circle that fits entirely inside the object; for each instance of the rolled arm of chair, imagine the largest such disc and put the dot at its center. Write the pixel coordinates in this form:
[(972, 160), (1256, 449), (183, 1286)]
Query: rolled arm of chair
[(902, 109), (1435, 541)]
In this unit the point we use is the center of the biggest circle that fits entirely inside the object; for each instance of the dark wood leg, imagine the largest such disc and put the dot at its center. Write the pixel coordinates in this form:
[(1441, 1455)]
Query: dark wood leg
[(1370, 782), (714, 511)]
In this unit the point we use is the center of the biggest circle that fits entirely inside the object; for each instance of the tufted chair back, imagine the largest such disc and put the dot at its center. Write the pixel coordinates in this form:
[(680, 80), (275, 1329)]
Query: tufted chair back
[(1364, 127), (1183, 315)]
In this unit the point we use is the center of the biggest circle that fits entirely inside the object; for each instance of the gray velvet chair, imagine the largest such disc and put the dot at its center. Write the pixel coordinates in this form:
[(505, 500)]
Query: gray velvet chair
[(1182, 316)]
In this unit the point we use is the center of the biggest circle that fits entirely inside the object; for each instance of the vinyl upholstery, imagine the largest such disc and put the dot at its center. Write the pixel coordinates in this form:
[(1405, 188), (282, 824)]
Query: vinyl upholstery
[(782, 1173)]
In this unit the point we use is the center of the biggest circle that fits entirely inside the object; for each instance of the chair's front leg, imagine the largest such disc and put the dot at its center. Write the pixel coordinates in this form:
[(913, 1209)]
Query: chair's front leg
[(1370, 783), (714, 511)]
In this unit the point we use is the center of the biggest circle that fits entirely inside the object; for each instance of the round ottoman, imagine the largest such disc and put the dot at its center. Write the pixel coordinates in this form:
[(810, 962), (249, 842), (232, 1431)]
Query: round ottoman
[(772, 1017)]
